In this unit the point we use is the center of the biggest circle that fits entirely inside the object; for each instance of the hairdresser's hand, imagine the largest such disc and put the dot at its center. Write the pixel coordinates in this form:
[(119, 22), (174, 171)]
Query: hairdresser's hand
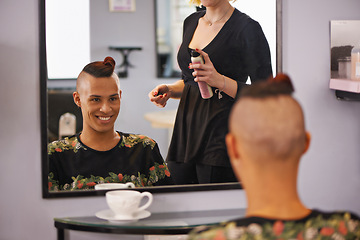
[(159, 95), (207, 72)]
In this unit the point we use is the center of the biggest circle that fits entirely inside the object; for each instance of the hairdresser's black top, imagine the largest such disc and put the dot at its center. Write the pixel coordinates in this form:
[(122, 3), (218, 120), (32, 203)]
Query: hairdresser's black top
[(136, 159), (239, 50)]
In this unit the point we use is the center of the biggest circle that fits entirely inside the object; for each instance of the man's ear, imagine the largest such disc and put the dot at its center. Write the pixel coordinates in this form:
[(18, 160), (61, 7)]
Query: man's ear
[(234, 154), (307, 141), (231, 147), (76, 97)]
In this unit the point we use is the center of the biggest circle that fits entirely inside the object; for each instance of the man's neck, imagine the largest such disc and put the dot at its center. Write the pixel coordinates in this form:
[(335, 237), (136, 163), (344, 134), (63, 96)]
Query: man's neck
[(274, 197), (278, 209), (100, 141)]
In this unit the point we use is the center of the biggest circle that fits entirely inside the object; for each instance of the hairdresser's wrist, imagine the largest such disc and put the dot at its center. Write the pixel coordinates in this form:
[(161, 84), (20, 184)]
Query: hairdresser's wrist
[(175, 89), (221, 82)]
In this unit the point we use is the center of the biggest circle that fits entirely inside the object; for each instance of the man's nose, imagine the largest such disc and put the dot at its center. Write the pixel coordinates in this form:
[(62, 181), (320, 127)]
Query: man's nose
[(105, 107)]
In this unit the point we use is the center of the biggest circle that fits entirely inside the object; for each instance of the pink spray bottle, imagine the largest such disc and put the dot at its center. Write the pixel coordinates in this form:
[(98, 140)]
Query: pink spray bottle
[(205, 89)]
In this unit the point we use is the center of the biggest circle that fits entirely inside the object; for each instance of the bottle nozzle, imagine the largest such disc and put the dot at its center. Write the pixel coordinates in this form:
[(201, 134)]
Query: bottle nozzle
[(194, 53)]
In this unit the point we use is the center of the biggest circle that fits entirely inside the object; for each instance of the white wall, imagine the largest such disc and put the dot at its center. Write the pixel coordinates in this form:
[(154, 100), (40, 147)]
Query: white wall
[(329, 173)]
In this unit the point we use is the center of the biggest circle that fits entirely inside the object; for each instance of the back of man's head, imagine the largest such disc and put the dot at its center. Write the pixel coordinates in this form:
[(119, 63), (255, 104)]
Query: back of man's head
[(268, 123)]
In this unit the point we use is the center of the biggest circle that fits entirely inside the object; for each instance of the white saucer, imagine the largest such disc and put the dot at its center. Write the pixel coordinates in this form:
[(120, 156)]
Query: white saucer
[(110, 216)]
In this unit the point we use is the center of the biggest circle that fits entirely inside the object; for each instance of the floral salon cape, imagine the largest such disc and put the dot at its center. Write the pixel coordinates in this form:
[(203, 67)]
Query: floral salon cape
[(136, 159), (318, 225)]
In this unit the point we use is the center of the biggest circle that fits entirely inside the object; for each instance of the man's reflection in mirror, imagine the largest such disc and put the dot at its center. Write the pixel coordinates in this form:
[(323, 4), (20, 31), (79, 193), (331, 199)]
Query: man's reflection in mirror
[(99, 154)]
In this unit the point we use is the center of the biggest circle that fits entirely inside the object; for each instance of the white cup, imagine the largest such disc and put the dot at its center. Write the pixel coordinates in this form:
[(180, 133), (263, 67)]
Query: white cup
[(126, 203), (107, 186)]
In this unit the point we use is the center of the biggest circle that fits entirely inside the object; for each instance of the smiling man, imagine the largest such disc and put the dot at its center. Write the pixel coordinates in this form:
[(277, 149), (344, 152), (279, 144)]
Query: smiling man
[(99, 154)]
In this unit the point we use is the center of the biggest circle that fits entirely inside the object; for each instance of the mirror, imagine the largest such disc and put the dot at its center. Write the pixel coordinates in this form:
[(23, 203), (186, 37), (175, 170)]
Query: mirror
[(47, 86), (170, 15)]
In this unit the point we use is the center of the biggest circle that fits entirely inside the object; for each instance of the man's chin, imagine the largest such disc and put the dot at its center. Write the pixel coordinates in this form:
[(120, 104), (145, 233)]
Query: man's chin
[(102, 130)]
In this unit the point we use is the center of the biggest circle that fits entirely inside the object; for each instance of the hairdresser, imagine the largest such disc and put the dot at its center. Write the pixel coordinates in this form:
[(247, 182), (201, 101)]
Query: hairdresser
[(233, 47)]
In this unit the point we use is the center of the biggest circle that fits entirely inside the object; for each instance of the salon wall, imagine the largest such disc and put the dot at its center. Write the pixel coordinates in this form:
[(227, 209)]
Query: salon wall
[(329, 173)]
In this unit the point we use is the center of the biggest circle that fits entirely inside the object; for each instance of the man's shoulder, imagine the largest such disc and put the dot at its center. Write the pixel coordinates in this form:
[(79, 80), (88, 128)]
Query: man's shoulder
[(317, 225), (67, 143), (131, 140)]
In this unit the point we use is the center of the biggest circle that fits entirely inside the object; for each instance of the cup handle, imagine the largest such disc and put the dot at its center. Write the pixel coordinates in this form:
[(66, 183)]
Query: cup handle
[(148, 203), (130, 185)]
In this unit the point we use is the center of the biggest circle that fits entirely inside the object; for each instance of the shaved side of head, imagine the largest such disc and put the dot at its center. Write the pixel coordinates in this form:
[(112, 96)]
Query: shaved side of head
[(83, 81), (270, 127), (267, 122)]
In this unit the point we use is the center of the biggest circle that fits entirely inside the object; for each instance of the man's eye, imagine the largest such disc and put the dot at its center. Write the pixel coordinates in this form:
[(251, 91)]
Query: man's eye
[(95, 99), (113, 99)]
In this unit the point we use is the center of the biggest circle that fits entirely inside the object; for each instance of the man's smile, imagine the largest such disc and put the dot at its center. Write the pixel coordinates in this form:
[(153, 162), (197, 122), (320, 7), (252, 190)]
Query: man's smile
[(104, 118)]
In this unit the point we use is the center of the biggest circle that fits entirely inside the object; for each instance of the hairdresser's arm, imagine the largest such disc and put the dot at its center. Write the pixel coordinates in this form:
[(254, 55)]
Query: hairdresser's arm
[(161, 93), (175, 90)]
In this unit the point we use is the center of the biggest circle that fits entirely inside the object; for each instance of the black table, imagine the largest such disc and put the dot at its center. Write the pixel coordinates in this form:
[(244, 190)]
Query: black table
[(169, 223)]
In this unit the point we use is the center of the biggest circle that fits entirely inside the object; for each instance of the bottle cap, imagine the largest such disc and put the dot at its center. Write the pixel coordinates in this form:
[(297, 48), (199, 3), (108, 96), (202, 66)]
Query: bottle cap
[(194, 53)]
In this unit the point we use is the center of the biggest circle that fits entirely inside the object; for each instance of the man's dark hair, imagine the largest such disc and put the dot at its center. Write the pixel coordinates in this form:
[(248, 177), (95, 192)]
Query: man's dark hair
[(280, 85), (101, 68)]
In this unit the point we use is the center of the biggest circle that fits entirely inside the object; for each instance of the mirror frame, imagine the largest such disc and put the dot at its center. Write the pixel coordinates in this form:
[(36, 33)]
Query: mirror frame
[(44, 119)]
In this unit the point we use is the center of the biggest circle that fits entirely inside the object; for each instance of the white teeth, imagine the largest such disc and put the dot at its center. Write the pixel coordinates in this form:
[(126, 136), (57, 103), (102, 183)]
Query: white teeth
[(104, 118)]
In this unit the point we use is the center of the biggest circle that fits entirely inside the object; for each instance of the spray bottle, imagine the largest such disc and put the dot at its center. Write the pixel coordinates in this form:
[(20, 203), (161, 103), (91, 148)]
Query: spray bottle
[(205, 89)]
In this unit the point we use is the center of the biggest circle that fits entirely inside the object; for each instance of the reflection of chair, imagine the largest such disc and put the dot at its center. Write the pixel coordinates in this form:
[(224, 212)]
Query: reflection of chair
[(67, 125), (59, 103)]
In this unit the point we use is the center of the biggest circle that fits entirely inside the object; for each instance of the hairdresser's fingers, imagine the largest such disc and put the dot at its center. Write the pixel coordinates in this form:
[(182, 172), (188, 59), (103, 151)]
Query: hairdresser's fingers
[(204, 55), (153, 93)]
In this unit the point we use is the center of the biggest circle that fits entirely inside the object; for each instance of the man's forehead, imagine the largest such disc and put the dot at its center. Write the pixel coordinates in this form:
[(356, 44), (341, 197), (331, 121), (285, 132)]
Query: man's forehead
[(90, 83)]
